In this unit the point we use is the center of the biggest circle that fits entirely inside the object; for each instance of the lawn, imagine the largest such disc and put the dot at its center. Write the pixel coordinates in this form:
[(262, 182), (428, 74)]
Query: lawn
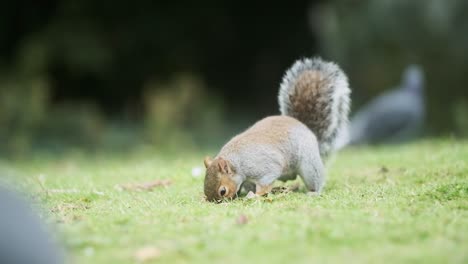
[(394, 204)]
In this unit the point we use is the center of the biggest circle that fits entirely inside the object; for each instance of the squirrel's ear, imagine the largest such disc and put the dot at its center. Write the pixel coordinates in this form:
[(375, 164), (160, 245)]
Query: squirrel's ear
[(207, 161), (223, 166)]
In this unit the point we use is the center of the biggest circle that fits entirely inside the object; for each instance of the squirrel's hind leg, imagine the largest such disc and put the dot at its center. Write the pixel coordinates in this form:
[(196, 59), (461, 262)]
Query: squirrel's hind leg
[(312, 172)]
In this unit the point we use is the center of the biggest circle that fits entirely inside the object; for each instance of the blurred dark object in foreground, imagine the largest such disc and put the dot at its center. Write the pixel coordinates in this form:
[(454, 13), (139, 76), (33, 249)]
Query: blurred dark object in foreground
[(395, 116), (23, 238)]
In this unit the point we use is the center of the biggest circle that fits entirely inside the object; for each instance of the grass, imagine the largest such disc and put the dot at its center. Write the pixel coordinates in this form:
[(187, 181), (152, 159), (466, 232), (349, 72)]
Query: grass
[(398, 204)]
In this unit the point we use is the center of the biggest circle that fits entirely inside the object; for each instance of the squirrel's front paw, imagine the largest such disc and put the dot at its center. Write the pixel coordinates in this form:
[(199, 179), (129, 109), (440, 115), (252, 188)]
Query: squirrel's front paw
[(251, 195)]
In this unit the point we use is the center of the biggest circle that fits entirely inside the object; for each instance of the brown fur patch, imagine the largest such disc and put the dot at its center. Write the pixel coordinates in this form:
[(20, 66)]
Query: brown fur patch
[(230, 185), (309, 103), (215, 178)]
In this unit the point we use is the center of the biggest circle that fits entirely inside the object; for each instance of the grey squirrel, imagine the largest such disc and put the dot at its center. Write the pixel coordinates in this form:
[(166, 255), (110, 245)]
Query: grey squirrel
[(314, 100)]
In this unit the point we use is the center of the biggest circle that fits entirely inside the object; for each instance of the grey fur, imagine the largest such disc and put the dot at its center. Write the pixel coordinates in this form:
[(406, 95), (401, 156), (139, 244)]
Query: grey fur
[(334, 91), (264, 163)]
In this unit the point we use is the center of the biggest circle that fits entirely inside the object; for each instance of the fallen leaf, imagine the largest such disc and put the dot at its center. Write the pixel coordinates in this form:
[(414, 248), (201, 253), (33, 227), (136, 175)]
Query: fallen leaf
[(242, 220), (147, 253), (146, 186)]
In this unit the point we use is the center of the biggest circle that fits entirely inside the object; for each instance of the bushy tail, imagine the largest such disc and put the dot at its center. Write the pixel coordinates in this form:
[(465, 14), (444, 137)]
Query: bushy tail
[(317, 93)]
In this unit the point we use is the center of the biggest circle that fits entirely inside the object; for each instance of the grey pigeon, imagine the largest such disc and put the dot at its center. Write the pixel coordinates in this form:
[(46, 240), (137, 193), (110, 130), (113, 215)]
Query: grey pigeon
[(23, 237), (395, 116)]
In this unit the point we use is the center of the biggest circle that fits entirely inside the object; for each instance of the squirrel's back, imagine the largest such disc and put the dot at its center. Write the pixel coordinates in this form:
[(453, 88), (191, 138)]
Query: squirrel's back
[(272, 147), (317, 93), (272, 130)]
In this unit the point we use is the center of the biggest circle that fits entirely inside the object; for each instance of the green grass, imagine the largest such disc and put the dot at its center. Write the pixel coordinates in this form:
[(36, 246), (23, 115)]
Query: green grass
[(399, 204)]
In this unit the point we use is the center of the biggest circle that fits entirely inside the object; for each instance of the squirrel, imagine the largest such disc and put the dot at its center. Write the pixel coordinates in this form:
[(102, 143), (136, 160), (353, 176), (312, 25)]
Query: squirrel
[(314, 101)]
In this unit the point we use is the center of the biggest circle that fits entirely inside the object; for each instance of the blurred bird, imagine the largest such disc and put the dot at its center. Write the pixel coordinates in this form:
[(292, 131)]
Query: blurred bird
[(23, 237), (394, 116)]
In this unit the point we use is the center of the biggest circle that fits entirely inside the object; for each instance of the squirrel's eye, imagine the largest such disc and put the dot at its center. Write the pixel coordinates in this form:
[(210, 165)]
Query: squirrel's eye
[(222, 191)]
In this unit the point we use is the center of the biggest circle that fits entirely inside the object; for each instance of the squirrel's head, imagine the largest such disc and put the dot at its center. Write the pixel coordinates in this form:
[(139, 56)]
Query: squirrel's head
[(220, 182)]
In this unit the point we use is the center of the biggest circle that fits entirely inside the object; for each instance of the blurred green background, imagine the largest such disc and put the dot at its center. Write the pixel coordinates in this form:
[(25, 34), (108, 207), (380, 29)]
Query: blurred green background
[(183, 75)]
